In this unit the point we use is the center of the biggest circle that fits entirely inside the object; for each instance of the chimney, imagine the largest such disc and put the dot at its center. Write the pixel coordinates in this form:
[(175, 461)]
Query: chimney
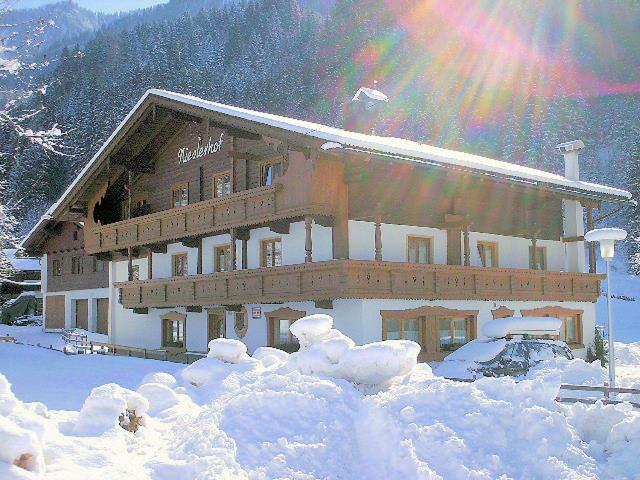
[(571, 151), (363, 111), (572, 211)]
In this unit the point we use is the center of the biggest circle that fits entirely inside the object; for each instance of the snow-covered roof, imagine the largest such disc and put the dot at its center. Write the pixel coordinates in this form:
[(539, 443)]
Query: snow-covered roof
[(22, 264), (338, 139)]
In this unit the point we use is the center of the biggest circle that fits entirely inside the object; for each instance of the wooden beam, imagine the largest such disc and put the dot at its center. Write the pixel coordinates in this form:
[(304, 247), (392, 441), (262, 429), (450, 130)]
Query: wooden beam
[(378, 239), (194, 309), (235, 132), (592, 246), (579, 238), (308, 241), (280, 226)]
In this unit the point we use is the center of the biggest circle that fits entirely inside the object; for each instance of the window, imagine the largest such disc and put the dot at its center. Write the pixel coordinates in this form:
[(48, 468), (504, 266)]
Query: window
[(539, 260), (98, 265), (488, 252), (76, 265), (221, 185), (271, 252), (222, 258), (453, 333), (75, 235), (419, 250), (240, 324), (179, 265), (280, 322), (135, 272), (180, 195), (173, 334), (570, 330), (403, 329), (216, 324), (269, 171), (56, 268)]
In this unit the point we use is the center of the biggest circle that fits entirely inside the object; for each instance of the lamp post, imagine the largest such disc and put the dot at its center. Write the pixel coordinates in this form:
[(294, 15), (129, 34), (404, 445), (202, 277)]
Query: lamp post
[(607, 238)]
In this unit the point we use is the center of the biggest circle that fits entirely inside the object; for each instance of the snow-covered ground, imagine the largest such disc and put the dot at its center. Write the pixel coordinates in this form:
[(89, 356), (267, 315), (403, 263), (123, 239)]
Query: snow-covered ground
[(304, 416)]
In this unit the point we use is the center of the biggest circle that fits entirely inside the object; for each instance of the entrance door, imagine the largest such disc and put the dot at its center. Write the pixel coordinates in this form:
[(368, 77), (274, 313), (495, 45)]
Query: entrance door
[(103, 316), (54, 312), (216, 327), (82, 314)]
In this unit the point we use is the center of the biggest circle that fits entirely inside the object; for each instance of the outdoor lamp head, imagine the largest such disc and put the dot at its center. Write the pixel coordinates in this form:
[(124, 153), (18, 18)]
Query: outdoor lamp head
[(607, 238)]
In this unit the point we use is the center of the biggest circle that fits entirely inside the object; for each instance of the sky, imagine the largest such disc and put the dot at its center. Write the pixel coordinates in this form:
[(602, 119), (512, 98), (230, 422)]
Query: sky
[(107, 6)]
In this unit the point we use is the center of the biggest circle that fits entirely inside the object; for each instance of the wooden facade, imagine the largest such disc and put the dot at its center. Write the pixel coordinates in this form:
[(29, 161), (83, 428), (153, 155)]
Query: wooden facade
[(320, 281)]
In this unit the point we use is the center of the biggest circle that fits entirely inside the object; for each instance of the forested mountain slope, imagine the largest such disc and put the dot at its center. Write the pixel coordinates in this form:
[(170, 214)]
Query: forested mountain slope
[(497, 79)]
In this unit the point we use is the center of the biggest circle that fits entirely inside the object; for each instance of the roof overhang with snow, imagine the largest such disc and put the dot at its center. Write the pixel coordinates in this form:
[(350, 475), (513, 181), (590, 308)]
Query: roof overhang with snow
[(329, 140)]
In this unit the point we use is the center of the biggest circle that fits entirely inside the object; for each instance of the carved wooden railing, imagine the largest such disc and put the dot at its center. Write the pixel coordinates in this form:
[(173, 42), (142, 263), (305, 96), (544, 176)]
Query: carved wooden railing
[(245, 208), (360, 279)]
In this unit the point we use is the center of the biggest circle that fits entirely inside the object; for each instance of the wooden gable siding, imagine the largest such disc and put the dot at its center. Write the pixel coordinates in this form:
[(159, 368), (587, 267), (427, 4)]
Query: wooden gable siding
[(422, 196), (61, 246), (197, 173)]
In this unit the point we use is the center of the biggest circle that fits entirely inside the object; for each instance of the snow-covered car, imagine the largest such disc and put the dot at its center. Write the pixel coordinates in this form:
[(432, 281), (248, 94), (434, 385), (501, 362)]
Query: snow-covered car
[(516, 344)]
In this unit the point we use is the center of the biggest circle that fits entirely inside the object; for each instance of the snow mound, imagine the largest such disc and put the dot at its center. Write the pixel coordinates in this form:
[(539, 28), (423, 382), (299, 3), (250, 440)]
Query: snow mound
[(311, 328), (104, 406), (270, 356), (159, 377), (379, 362), (159, 396), (227, 350), (502, 327), (20, 447)]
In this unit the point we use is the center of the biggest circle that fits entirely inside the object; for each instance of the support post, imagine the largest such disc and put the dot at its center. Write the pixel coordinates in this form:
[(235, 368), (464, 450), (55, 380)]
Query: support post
[(129, 250), (534, 251), (308, 241), (612, 358), (592, 245), (234, 262), (467, 249), (378, 239), (150, 264), (199, 266), (245, 253)]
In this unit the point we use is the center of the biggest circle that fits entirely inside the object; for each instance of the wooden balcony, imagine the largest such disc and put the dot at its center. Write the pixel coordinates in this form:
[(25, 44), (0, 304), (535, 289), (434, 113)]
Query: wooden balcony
[(360, 279), (246, 208)]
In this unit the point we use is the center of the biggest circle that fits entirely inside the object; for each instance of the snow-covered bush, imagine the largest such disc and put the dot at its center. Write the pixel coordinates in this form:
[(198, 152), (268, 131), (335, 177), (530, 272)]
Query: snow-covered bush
[(311, 328), (227, 350), (108, 406), (20, 447), (159, 377)]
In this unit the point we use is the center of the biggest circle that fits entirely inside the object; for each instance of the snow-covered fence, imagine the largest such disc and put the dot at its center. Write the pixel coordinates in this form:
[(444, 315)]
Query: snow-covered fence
[(606, 392), (147, 353)]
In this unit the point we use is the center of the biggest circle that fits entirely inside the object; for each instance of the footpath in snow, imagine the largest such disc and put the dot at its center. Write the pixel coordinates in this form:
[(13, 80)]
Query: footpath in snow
[(331, 410)]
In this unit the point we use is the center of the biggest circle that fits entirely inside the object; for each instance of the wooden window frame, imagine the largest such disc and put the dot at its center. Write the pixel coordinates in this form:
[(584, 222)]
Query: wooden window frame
[(266, 163), (216, 263), (76, 265), (421, 329), (452, 318), (97, 262), (56, 267), (430, 248), (228, 173), (430, 348), (241, 333), (135, 272), (263, 253), (284, 313), (502, 312), (222, 313), (561, 313), (174, 264), (179, 187), (170, 318), (543, 249), (496, 252)]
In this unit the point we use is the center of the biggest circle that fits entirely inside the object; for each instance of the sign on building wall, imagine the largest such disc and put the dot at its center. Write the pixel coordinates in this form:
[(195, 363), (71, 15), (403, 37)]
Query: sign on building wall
[(256, 312), (186, 154)]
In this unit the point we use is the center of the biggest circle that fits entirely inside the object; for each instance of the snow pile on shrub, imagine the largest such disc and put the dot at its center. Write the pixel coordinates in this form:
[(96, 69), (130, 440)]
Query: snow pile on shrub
[(22, 430), (109, 406), (324, 350), (227, 350)]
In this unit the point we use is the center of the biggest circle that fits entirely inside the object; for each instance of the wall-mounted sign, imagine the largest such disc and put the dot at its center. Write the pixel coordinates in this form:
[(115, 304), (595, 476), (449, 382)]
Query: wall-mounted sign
[(256, 312), (185, 154)]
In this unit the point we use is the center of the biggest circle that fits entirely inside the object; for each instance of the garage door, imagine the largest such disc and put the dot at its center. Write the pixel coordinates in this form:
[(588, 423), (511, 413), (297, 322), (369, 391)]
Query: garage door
[(103, 316), (82, 314), (54, 312)]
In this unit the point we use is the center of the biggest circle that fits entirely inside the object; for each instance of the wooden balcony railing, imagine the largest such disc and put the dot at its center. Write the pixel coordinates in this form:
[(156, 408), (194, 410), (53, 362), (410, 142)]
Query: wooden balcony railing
[(249, 207), (360, 279)]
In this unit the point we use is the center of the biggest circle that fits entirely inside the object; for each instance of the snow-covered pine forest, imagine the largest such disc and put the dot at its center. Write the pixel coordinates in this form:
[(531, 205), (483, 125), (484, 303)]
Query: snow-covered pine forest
[(293, 57)]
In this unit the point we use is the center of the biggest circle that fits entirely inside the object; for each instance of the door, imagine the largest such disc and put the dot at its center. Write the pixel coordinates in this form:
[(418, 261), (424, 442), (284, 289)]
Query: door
[(103, 316), (216, 327), (82, 314), (54, 312)]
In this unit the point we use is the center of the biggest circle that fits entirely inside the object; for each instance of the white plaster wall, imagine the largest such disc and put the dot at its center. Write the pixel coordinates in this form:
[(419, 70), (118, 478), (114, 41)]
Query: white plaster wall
[(513, 252), (394, 241), (162, 262), (70, 296)]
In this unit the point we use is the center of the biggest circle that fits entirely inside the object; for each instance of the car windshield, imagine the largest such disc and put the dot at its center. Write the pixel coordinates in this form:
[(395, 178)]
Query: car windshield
[(478, 351)]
